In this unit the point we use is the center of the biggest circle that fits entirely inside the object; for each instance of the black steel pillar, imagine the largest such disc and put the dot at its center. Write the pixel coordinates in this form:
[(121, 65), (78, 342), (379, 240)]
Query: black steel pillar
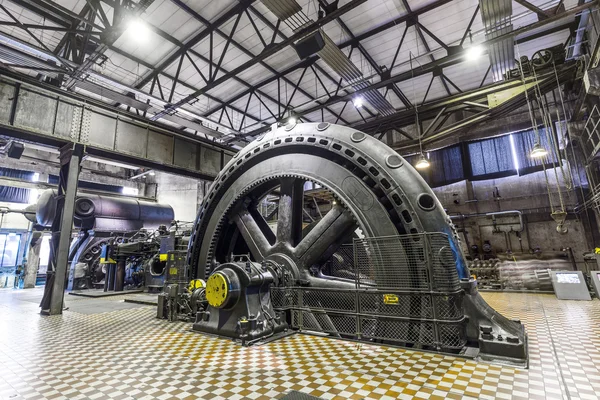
[(71, 156)]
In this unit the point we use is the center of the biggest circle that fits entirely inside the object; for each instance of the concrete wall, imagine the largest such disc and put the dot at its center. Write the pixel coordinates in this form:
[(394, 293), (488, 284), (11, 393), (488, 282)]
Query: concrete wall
[(183, 194), (10, 221), (528, 194)]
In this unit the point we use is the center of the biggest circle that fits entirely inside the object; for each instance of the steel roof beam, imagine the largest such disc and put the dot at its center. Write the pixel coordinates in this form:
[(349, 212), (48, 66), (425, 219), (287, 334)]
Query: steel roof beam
[(204, 21), (450, 60), (351, 42), (211, 27), (265, 54), (368, 57), (71, 21)]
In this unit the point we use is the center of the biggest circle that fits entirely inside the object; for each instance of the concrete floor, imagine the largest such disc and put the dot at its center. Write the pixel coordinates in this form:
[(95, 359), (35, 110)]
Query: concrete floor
[(106, 348)]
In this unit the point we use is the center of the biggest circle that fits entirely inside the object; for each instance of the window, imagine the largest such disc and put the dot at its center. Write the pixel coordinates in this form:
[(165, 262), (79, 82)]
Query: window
[(524, 142), (446, 166), (491, 158), (12, 194), (10, 244), (44, 254)]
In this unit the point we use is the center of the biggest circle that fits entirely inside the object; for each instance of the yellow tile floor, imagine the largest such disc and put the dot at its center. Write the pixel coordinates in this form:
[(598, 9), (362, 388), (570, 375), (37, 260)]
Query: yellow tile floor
[(127, 353)]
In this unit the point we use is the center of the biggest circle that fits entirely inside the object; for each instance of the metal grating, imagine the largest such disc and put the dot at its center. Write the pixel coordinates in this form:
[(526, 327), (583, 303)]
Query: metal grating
[(399, 331), (415, 262), (407, 291)]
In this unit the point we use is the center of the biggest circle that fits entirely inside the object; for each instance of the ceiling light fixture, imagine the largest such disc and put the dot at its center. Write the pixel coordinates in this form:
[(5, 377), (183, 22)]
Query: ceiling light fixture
[(538, 151), (423, 163), (292, 120), (358, 102), (474, 52), (152, 173), (138, 30)]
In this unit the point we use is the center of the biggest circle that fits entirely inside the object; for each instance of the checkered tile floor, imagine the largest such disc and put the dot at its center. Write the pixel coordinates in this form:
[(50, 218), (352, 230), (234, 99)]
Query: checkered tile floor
[(127, 354)]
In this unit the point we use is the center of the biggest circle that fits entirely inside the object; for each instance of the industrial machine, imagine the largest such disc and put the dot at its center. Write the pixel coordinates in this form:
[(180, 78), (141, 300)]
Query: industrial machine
[(102, 220), (141, 261), (406, 281), (181, 299)]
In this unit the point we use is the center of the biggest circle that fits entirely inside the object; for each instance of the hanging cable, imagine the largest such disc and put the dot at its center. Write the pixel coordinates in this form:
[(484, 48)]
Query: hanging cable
[(534, 124)]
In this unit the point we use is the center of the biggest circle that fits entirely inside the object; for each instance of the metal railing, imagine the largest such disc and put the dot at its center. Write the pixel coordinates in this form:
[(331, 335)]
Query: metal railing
[(407, 292), (591, 134)]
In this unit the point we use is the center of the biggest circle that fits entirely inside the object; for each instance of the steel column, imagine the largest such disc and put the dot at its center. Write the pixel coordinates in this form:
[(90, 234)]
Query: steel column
[(70, 158)]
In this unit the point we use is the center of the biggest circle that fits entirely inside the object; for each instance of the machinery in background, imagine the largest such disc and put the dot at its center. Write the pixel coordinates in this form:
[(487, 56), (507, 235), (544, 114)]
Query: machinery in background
[(541, 60), (181, 299), (486, 272), (530, 271), (141, 261), (101, 220)]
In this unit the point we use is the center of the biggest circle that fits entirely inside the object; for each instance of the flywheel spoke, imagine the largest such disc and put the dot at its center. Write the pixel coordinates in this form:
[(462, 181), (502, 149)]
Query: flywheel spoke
[(326, 237), (253, 235), (289, 221)]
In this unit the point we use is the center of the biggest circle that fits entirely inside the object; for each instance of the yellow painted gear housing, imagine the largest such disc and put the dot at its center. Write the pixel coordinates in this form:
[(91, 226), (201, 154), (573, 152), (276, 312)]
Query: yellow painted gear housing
[(217, 290)]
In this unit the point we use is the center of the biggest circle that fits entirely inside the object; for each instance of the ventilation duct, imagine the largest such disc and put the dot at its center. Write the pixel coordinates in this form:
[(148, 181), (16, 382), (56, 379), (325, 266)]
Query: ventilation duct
[(283, 9), (10, 57), (332, 56), (341, 64), (496, 15)]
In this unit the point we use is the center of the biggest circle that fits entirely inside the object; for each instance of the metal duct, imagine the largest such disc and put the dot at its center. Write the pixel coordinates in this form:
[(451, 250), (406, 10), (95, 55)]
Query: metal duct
[(283, 9), (111, 94), (496, 15), (335, 59), (9, 56)]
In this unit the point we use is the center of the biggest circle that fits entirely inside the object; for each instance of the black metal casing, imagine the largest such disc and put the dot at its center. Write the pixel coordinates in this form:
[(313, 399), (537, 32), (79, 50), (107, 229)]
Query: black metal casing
[(248, 315)]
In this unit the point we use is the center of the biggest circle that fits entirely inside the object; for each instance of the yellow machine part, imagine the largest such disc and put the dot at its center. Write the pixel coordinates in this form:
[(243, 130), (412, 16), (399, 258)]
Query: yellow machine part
[(196, 284), (216, 290)]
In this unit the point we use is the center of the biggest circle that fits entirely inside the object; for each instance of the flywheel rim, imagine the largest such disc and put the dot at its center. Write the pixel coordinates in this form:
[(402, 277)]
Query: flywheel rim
[(386, 174)]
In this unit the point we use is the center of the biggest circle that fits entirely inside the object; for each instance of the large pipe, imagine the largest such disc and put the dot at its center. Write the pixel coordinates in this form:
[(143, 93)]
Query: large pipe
[(493, 215), (93, 210)]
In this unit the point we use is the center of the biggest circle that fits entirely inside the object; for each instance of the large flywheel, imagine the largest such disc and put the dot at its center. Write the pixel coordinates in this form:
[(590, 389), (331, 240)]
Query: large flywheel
[(376, 191)]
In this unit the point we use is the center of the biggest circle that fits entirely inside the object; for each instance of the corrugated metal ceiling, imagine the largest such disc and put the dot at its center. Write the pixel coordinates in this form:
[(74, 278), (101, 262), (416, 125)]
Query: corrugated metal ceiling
[(173, 26)]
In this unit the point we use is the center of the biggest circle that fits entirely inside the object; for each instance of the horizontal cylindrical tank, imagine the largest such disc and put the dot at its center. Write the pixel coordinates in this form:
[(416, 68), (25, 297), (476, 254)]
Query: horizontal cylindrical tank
[(92, 206)]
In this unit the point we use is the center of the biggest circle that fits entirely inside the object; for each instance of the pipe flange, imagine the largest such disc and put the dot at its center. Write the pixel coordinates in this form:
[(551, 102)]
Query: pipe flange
[(84, 207)]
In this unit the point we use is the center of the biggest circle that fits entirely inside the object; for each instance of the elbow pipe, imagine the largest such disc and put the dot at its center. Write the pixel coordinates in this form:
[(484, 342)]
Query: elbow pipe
[(493, 215)]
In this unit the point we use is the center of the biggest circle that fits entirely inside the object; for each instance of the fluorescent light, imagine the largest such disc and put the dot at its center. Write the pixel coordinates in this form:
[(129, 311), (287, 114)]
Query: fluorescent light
[(358, 102), (474, 52), (538, 151), (130, 191), (513, 150), (33, 196), (138, 30), (151, 173), (422, 163)]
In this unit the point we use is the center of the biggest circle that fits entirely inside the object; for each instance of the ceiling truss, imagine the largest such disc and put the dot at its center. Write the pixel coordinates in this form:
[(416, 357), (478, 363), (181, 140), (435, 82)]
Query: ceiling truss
[(86, 40)]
